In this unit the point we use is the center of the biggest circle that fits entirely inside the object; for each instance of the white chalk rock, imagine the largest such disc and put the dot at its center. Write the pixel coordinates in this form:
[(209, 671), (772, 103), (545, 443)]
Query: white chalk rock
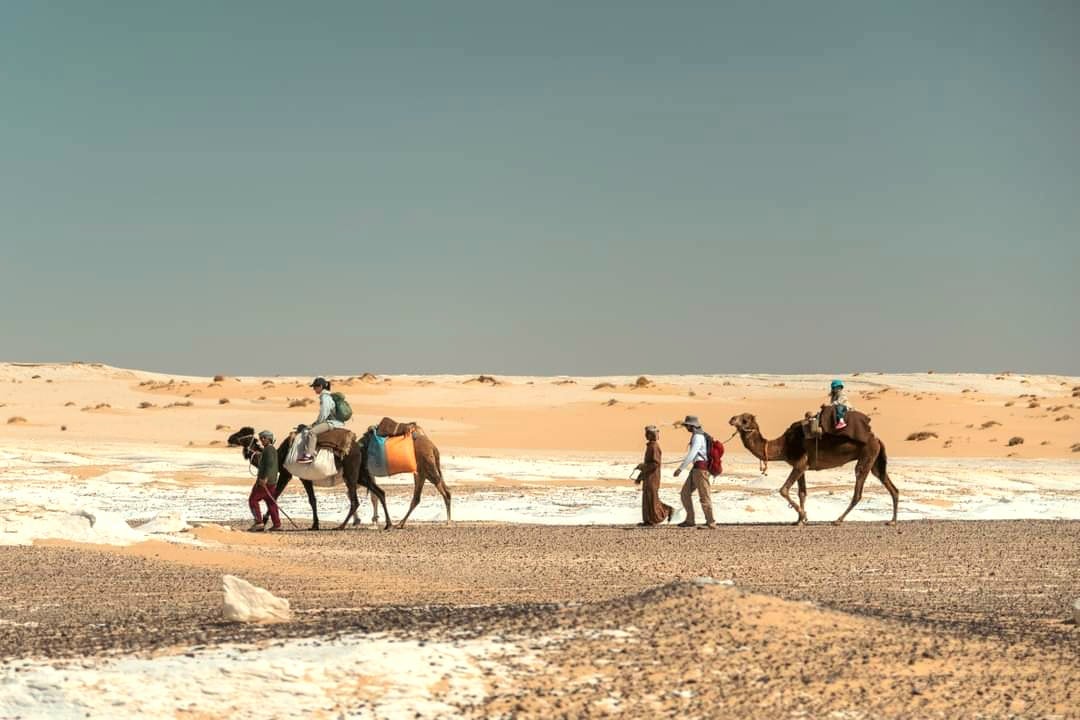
[(1076, 611), (247, 603), (166, 522)]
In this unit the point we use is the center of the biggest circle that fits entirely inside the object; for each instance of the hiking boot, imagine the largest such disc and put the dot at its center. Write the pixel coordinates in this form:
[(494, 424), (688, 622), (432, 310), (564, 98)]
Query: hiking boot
[(685, 524), (707, 526), (257, 527), (305, 459), (276, 528), (840, 424)]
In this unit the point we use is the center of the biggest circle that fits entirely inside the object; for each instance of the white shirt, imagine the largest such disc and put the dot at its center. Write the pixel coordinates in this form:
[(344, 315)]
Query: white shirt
[(696, 452)]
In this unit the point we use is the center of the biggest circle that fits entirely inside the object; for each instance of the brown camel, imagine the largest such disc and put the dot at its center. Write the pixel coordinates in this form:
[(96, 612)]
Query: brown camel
[(428, 468), (824, 453)]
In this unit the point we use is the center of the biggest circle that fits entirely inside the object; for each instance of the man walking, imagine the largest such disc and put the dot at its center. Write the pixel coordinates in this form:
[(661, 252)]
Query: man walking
[(263, 490), (697, 460)]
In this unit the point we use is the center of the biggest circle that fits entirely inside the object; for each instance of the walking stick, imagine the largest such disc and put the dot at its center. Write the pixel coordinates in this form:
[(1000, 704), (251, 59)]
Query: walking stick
[(282, 511)]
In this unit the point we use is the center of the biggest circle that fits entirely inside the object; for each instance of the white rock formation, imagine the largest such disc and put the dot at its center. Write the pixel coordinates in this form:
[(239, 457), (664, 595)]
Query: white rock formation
[(247, 603)]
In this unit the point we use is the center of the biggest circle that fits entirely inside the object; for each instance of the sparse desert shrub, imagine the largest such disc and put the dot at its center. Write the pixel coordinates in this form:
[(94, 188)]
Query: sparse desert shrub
[(300, 402), (1045, 442), (1059, 418), (219, 378), (16, 420), (691, 393), (223, 401), (69, 404), (63, 428), (180, 403), (262, 397), (144, 405), (221, 427), (367, 377), (35, 377), (565, 381), (267, 382), (988, 424), (947, 443), (643, 382), (603, 386), (929, 372), (1033, 404), (1009, 403), (1075, 447), (921, 435), (483, 380), (611, 402), (1016, 440)]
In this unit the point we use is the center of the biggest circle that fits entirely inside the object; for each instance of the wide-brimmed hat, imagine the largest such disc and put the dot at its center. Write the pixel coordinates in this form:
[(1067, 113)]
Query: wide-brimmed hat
[(692, 421)]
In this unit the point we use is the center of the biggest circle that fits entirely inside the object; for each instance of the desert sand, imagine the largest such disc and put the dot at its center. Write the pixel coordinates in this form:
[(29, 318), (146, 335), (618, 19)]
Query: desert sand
[(542, 599)]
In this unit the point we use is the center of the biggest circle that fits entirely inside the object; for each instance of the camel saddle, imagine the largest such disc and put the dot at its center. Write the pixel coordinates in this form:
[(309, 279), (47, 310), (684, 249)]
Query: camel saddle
[(389, 427), (339, 440), (858, 424)]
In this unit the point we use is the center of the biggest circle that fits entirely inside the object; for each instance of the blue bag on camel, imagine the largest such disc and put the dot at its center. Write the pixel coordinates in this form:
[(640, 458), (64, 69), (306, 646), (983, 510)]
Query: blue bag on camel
[(376, 454)]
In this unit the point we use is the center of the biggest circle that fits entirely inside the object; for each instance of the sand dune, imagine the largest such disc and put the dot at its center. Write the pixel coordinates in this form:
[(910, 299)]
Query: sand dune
[(969, 415)]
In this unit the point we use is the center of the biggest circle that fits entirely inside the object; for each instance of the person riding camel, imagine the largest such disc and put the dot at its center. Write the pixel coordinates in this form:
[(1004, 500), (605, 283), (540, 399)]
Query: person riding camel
[(838, 399), (326, 420)]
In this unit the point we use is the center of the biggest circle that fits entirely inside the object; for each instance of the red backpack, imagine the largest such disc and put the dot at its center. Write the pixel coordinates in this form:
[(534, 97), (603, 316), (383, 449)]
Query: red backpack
[(714, 454)]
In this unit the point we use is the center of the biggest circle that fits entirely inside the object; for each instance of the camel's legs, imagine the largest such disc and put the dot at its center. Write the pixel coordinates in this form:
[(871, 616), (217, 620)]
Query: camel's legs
[(354, 501), (797, 471), (445, 492), (310, 490), (802, 496), (417, 489), (862, 469), (883, 476)]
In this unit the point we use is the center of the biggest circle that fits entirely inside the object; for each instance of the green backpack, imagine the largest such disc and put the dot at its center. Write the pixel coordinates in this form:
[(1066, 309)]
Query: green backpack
[(342, 409)]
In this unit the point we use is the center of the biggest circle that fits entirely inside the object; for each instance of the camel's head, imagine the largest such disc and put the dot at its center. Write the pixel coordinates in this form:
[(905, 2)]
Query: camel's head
[(745, 423), (242, 437)]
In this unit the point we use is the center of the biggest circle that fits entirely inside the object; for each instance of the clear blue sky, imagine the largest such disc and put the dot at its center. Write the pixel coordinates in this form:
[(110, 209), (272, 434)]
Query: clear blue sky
[(526, 187)]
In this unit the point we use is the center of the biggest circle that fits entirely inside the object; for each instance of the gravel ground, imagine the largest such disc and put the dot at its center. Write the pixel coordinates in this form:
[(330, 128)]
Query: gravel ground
[(948, 619)]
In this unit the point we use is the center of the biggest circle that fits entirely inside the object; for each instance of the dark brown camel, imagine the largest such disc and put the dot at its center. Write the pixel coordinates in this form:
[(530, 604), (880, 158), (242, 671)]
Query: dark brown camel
[(824, 453), (354, 471)]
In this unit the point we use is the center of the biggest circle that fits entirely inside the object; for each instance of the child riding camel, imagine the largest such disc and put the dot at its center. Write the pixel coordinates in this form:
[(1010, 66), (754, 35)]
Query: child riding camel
[(839, 400)]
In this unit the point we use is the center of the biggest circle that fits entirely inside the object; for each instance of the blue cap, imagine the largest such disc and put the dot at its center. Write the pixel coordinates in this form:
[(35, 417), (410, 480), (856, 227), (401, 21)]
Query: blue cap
[(837, 384)]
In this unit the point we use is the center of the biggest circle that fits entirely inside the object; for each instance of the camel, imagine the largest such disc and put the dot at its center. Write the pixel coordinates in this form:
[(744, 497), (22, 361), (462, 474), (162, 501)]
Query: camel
[(824, 453), (354, 471), (428, 468)]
